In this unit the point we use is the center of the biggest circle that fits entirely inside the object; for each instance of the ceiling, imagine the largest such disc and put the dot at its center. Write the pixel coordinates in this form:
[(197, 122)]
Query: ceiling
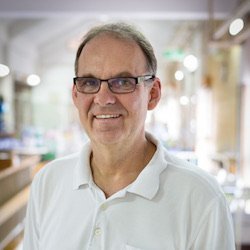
[(167, 8), (48, 31)]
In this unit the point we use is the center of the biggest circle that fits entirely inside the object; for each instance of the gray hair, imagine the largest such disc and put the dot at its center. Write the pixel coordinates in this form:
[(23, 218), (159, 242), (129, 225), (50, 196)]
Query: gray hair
[(125, 32)]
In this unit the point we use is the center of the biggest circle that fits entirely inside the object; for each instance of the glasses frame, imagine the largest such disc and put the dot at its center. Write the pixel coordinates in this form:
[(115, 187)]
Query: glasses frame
[(138, 80)]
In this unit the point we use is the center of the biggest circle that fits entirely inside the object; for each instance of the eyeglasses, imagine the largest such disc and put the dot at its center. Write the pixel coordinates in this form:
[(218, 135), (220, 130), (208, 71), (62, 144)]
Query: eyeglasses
[(118, 85)]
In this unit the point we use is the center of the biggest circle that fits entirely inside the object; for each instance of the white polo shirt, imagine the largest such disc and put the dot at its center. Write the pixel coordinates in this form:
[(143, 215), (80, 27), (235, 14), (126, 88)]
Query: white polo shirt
[(171, 205)]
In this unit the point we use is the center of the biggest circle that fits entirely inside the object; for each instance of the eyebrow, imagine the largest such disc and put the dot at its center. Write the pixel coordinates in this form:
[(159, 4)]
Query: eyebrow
[(124, 74), (121, 74)]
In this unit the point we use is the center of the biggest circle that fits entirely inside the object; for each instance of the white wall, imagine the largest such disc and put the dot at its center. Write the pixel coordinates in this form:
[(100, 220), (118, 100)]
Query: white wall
[(52, 98), (6, 85), (245, 67), (245, 116)]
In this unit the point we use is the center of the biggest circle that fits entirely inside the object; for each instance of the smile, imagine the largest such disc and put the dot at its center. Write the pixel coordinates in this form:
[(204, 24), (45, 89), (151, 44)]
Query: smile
[(106, 116)]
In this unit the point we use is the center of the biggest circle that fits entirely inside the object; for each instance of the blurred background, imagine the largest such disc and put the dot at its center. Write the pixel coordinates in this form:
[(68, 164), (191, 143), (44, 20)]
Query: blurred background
[(203, 52)]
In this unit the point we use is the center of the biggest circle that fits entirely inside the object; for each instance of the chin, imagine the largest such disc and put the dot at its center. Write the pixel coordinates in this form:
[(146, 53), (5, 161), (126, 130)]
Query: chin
[(109, 138)]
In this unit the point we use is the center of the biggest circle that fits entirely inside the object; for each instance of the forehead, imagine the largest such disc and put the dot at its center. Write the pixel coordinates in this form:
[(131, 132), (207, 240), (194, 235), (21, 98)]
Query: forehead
[(110, 54)]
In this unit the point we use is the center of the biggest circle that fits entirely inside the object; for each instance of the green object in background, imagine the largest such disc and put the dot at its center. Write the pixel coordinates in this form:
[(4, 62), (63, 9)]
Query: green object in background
[(48, 156), (174, 54)]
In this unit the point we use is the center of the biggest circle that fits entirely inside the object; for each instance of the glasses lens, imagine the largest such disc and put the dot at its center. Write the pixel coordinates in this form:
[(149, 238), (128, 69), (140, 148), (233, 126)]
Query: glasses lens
[(122, 84), (87, 85)]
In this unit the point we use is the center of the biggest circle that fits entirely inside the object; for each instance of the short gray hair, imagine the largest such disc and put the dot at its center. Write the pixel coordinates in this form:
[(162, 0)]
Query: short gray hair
[(125, 32)]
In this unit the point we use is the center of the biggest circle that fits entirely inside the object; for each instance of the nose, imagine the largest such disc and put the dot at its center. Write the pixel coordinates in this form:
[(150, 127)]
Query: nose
[(104, 96)]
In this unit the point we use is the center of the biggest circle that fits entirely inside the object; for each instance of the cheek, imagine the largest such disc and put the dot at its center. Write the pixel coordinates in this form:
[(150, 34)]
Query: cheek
[(138, 106), (83, 105)]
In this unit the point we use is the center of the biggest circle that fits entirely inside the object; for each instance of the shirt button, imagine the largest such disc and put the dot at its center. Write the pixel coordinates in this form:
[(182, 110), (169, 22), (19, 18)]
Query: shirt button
[(98, 231), (103, 207)]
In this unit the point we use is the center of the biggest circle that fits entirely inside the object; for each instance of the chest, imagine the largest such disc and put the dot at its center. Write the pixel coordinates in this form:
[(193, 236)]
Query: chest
[(129, 222)]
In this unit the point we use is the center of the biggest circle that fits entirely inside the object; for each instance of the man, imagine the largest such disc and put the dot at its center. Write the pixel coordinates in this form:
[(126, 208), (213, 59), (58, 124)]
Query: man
[(123, 190)]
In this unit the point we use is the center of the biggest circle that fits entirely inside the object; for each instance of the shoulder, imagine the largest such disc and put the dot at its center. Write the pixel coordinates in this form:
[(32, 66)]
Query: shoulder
[(191, 179), (182, 176), (56, 170), (60, 164)]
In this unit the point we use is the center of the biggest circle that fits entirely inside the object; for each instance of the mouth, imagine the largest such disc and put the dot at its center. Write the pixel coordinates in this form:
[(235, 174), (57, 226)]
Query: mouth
[(107, 116)]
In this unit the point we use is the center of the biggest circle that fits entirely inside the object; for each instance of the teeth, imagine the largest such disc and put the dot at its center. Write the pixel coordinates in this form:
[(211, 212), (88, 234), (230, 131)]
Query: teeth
[(106, 116)]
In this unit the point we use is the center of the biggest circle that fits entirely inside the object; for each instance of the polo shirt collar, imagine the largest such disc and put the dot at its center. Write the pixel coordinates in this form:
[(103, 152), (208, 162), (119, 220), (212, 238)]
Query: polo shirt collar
[(147, 183), (82, 172)]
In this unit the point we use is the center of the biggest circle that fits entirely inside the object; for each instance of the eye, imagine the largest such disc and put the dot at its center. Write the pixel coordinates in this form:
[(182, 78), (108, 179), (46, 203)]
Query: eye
[(89, 82), (122, 82)]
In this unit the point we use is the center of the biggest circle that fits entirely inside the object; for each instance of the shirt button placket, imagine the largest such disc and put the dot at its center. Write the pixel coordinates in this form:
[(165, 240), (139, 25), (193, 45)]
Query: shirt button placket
[(98, 231)]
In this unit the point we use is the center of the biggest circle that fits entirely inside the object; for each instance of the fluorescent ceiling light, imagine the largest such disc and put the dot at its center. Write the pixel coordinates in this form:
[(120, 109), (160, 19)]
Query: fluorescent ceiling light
[(33, 80), (4, 70), (236, 26), (191, 63), (179, 75)]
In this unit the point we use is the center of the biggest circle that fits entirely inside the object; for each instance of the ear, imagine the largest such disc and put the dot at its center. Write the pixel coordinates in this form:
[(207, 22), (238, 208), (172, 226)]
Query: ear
[(74, 93), (154, 94)]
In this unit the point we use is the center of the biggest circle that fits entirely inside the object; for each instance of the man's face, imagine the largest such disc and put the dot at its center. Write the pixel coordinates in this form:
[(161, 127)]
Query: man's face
[(110, 118)]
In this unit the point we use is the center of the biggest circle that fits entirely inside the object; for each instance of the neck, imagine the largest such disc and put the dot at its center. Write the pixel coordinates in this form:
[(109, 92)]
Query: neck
[(115, 167)]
